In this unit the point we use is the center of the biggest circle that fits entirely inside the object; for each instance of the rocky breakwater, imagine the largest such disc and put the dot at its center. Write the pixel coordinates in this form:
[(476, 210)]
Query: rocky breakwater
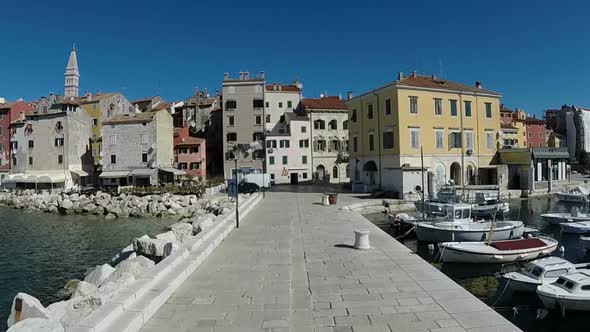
[(102, 283), (104, 204)]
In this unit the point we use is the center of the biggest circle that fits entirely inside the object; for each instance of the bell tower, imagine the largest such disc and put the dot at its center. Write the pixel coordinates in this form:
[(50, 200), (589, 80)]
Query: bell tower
[(72, 75)]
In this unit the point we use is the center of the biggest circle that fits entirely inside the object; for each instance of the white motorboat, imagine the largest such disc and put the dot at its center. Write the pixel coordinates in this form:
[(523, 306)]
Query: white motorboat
[(582, 227), (436, 206), (541, 271), (576, 195), (497, 251), (458, 226), (568, 292), (556, 218), (486, 205), (400, 219)]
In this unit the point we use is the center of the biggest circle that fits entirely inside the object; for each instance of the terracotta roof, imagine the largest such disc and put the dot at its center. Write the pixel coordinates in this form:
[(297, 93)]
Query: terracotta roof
[(142, 100), (507, 126), (438, 83), (161, 106), (326, 103), (94, 98), (284, 88), (131, 118), (188, 141), (7, 105), (535, 121), (177, 131)]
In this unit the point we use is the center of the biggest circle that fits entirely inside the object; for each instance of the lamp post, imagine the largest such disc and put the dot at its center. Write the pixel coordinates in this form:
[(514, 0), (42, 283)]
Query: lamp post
[(237, 190)]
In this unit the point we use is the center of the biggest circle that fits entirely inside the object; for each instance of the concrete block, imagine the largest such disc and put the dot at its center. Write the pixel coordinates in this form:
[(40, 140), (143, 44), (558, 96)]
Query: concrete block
[(128, 321), (102, 316)]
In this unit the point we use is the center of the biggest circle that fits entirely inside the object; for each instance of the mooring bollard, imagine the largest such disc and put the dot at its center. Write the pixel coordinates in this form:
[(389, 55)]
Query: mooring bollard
[(361, 239), (325, 199)]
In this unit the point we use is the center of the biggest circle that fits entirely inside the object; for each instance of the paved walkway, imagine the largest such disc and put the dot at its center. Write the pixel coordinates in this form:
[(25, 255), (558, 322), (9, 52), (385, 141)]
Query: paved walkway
[(289, 267)]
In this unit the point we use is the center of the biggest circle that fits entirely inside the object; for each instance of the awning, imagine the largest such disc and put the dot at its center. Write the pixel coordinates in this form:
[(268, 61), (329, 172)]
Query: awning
[(173, 171), (13, 178), (56, 177), (142, 172), (39, 177), (550, 153), (113, 174), (79, 172)]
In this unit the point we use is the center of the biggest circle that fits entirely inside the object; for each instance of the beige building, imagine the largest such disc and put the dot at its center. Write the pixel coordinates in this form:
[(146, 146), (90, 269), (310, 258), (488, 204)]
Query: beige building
[(456, 125)]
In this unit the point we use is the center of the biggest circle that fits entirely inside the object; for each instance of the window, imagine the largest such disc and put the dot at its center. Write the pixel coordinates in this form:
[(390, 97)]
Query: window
[(437, 106), (259, 119), (59, 141), (257, 103), (271, 160), (113, 159), (320, 145), (555, 273), (1, 147), (268, 118), (31, 144), (488, 110), (345, 125), (469, 139), (231, 121), (371, 142), (1, 116), (388, 140), (303, 143), (303, 129), (370, 111), (413, 105), (490, 140), (355, 144), (285, 160), (284, 143), (257, 136), (530, 135), (305, 175), (335, 172), (14, 145), (113, 139), (467, 108), (304, 160), (144, 158), (271, 144), (438, 137), (232, 137), (387, 106), (230, 105), (353, 116), (195, 165), (415, 138), (144, 138), (14, 161), (30, 160), (289, 104), (95, 122), (319, 124), (60, 159), (453, 107), (267, 104), (280, 104), (182, 165)]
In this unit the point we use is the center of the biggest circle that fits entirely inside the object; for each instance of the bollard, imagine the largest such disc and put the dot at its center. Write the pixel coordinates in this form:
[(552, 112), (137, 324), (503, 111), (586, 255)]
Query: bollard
[(361, 239), (325, 200)]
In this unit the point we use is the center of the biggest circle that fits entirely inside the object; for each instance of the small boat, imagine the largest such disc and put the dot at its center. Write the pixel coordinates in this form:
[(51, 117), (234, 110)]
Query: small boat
[(570, 292), (458, 226), (497, 251), (485, 205), (541, 271), (401, 219), (576, 227), (436, 206), (556, 218), (576, 195)]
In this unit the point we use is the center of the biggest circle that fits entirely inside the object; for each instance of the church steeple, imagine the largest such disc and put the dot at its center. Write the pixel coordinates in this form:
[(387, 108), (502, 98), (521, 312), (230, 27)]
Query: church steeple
[(72, 75)]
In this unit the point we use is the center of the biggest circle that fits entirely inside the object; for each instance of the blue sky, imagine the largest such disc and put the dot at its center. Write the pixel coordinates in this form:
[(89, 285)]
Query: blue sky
[(534, 52)]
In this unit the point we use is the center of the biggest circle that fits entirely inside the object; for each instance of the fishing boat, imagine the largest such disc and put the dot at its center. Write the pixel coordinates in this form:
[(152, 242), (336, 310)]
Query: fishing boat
[(458, 226), (556, 218), (486, 205), (436, 206), (576, 227), (497, 251), (575, 195), (541, 271), (570, 292)]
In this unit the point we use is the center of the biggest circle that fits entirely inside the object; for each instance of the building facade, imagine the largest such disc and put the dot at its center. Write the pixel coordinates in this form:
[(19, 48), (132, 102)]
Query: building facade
[(328, 118), (138, 149), (190, 153), (9, 111), (536, 132), (53, 149), (243, 122), (72, 76), (455, 125)]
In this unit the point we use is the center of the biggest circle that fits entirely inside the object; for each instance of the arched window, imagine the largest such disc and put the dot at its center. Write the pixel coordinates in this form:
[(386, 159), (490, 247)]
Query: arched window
[(333, 125), (319, 124), (335, 172)]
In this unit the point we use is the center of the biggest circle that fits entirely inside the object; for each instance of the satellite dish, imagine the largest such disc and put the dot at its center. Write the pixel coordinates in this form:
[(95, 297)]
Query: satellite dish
[(300, 86)]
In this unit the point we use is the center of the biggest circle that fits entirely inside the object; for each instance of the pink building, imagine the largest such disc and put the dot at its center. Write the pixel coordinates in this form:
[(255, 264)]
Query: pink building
[(9, 112), (189, 153)]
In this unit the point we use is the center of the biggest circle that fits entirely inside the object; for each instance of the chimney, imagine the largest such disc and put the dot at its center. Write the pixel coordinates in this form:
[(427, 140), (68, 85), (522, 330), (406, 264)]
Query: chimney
[(433, 77), (274, 87), (205, 93), (88, 96), (241, 76), (247, 76), (478, 84), (280, 86), (262, 76), (414, 73), (349, 95), (400, 76), (2, 100), (225, 76)]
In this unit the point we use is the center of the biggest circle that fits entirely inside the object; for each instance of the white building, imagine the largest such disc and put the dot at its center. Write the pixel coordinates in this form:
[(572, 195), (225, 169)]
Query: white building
[(328, 119), (280, 99)]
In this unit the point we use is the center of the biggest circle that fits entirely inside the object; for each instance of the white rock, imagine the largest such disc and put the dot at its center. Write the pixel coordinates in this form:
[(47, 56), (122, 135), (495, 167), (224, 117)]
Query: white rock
[(109, 289), (125, 253), (182, 230), (31, 308), (152, 247), (135, 267), (202, 223), (84, 289), (175, 206), (73, 316), (67, 204), (58, 309), (88, 301), (37, 325), (110, 216), (168, 236), (99, 274)]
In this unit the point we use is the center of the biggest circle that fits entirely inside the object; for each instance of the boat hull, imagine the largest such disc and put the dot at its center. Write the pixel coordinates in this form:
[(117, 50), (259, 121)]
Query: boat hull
[(552, 302), (427, 233), (560, 218), (451, 253), (523, 287), (573, 198), (575, 228)]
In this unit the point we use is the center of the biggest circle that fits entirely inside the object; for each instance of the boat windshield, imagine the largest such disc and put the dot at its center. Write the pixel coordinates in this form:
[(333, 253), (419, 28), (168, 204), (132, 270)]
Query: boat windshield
[(457, 214), (535, 270), (555, 273), (560, 281), (465, 213)]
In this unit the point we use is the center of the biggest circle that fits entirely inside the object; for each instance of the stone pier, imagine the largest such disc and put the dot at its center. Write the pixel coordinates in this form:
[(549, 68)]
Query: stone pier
[(291, 267)]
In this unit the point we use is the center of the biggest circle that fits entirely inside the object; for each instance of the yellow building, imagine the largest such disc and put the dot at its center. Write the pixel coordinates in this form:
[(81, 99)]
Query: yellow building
[(456, 125)]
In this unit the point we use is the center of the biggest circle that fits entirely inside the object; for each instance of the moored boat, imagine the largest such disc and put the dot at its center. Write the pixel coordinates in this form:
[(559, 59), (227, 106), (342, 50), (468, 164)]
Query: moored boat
[(570, 292), (497, 251), (541, 271), (575, 195), (576, 227), (556, 218)]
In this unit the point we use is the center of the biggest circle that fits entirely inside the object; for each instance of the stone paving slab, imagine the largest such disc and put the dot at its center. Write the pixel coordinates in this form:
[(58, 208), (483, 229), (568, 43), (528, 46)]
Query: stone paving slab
[(290, 267)]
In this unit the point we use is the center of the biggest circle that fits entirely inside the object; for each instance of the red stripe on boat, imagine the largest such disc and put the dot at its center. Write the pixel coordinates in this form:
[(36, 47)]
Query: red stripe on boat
[(518, 244)]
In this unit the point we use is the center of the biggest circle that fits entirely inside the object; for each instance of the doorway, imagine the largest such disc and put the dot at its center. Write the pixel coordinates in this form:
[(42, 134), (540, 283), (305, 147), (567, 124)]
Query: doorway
[(456, 173), (294, 178)]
